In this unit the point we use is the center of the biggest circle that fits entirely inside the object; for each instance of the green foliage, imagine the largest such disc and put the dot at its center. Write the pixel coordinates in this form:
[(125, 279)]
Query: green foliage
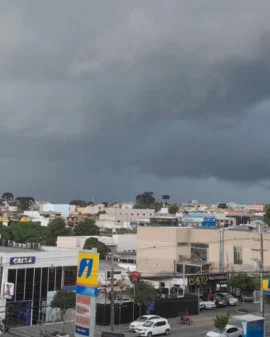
[(102, 249), (243, 282), (145, 294), (23, 232), (222, 205), (56, 227), (80, 203), (64, 300), (266, 218), (7, 196), (5, 232), (86, 227), (173, 209), (24, 203), (146, 198), (220, 322)]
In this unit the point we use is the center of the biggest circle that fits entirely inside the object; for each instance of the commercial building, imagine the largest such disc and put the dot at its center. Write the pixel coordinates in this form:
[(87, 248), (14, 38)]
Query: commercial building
[(30, 278), (176, 252)]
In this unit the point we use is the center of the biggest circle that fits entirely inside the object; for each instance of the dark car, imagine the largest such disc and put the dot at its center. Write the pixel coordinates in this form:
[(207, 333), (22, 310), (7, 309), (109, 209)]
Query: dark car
[(219, 301)]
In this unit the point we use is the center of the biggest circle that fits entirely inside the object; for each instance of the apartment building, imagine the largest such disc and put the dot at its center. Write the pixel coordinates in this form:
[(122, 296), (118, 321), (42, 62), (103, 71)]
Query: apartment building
[(182, 250)]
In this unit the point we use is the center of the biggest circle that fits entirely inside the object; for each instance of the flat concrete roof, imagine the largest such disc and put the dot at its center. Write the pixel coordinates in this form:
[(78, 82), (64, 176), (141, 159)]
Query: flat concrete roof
[(249, 318), (4, 249)]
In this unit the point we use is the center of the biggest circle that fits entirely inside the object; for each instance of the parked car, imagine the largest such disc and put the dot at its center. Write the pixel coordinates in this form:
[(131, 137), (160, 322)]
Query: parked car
[(246, 297), (229, 298), (156, 326), (229, 331), (205, 304), (219, 301), (142, 320)]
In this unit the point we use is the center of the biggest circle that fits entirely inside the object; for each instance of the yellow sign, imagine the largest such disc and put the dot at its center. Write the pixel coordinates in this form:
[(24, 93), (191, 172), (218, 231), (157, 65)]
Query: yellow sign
[(88, 266), (266, 287)]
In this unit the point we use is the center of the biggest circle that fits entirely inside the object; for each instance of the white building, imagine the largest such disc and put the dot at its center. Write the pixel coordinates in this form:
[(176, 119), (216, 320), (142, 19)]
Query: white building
[(34, 277), (35, 216), (120, 242)]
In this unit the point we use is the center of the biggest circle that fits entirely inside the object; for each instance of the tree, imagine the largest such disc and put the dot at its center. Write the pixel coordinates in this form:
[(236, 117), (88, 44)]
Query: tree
[(242, 281), (143, 294), (105, 203), (64, 300), (220, 322), (8, 196), (173, 209), (56, 227), (24, 232), (5, 232), (145, 199), (80, 203), (24, 203), (266, 218), (86, 227), (102, 249), (222, 205)]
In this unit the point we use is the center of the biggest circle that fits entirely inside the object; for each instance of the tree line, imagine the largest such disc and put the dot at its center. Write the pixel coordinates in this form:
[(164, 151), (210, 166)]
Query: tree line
[(33, 232), (148, 200)]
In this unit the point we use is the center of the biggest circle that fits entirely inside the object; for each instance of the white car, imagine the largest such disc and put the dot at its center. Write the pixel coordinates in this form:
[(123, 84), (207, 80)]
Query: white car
[(205, 304), (157, 326), (141, 320), (231, 300), (229, 331)]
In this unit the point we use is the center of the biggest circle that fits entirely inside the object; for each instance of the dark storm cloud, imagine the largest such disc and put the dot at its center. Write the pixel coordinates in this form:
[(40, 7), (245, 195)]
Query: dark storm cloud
[(90, 90)]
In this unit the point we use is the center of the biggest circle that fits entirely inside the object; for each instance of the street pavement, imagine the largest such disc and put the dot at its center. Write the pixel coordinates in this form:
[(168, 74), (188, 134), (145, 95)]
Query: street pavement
[(201, 324)]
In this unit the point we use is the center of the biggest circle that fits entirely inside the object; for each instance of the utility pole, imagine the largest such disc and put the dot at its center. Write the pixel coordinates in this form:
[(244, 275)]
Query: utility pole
[(261, 272), (112, 289), (221, 250)]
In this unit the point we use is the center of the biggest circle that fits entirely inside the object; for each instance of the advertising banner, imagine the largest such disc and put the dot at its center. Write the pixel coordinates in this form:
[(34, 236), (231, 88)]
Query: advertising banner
[(196, 280), (86, 294)]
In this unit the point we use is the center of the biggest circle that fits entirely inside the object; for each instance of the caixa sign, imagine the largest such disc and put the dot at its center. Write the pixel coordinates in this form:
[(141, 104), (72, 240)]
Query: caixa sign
[(22, 260)]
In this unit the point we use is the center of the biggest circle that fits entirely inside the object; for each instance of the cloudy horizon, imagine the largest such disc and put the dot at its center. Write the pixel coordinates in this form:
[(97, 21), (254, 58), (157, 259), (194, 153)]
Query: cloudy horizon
[(106, 100)]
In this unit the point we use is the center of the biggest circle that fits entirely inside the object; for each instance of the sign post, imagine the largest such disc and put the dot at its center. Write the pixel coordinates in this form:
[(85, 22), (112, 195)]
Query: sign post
[(86, 294)]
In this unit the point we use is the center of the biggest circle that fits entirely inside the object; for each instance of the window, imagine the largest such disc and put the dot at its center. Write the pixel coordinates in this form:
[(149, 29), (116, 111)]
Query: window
[(29, 284), (237, 255), (199, 251), (58, 279), (51, 278), (182, 244), (20, 285), (44, 283)]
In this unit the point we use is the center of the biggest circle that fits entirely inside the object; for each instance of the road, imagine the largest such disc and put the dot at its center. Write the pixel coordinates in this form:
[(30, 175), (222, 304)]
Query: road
[(200, 326)]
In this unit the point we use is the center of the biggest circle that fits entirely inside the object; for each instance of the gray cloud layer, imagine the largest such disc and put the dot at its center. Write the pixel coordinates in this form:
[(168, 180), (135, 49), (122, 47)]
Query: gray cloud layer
[(92, 92)]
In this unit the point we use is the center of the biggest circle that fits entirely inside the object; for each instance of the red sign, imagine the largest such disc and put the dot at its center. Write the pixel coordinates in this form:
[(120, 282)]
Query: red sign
[(84, 300)]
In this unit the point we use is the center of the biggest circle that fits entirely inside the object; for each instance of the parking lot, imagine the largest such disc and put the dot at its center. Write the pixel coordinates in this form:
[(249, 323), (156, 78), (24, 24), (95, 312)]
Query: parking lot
[(201, 324)]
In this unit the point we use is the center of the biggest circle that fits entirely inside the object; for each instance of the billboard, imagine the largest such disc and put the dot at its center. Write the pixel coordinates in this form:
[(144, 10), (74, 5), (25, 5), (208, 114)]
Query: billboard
[(266, 287), (200, 279), (86, 294), (9, 290)]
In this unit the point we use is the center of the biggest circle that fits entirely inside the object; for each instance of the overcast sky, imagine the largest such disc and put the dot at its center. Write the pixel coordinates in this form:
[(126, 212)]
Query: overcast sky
[(107, 99)]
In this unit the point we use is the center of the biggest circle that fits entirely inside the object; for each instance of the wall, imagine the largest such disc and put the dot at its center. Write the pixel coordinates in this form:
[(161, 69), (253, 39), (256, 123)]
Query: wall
[(157, 248), (62, 208)]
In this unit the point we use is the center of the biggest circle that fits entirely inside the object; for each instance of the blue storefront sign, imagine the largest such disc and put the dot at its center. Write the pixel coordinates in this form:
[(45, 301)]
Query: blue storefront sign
[(22, 260), (82, 331)]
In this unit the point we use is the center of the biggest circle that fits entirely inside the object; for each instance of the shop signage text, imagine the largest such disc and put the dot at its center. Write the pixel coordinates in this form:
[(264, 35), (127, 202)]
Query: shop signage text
[(23, 260), (205, 279)]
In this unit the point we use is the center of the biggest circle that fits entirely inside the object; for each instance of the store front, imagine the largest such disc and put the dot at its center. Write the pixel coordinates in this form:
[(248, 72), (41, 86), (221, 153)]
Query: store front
[(206, 283), (28, 277)]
